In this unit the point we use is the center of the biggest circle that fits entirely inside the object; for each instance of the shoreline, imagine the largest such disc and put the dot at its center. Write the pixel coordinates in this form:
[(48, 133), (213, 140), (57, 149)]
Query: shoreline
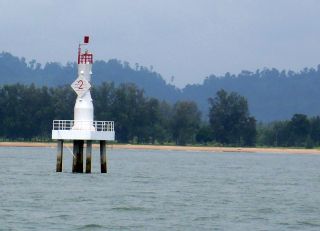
[(175, 148)]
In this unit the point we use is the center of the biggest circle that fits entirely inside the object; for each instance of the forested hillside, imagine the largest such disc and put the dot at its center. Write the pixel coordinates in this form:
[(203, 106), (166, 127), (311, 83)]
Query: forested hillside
[(17, 70), (272, 94)]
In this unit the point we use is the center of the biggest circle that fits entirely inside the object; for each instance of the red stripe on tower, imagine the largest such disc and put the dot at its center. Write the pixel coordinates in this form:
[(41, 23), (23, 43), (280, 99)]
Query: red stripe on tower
[(86, 39)]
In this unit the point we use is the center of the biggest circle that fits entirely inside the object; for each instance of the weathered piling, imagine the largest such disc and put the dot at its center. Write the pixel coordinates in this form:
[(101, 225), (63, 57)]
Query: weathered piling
[(59, 155), (77, 166), (103, 156), (88, 156)]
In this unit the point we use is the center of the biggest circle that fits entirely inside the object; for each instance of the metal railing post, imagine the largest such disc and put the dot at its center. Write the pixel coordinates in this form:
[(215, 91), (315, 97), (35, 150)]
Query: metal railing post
[(100, 126)]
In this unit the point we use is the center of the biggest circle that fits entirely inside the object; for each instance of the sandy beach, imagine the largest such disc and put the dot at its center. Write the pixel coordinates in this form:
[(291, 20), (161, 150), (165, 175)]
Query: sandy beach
[(175, 148)]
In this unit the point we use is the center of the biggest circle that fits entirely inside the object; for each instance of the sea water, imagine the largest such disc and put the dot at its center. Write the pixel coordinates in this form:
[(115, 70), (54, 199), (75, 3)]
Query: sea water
[(160, 190)]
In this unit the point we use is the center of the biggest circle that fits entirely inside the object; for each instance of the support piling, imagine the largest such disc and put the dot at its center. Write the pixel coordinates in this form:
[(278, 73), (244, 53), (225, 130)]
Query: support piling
[(88, 156), (77, 165), (103, 156), (59, 155)]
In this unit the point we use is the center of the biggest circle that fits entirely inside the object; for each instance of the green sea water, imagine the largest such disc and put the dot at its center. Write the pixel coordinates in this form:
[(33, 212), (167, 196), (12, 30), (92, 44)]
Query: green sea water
[(160, 190)]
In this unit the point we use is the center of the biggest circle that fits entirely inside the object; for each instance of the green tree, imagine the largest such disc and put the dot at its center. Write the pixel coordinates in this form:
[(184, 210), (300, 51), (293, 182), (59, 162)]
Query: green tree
[(204, 134), (127, 112), (185, 122), (315, 130), (299, 126), (274, 134), (26, 111), (230, 119), (104, 100), (163, 125)]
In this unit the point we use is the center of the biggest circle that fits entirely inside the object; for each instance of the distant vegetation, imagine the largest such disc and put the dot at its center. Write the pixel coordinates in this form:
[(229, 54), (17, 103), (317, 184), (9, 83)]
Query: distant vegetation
[(299, 131), (27, 111), (18, 70), (272, 94), (266, 108), (230, 120)]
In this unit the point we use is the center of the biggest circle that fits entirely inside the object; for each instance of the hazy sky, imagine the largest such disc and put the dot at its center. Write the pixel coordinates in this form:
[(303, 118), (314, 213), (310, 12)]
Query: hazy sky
[(187, 39)]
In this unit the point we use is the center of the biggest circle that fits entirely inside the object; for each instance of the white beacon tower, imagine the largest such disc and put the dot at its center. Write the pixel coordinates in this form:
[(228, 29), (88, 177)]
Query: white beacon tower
[(83, 127), (83, 109)]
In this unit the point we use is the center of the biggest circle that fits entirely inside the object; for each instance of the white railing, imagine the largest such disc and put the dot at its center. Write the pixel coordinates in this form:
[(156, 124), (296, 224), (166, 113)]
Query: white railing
[(100, 126)]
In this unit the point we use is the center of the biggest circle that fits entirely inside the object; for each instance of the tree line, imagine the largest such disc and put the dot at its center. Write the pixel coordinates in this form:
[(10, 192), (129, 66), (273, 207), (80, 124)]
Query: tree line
[(283, 92), (27, 112), (299, 131)]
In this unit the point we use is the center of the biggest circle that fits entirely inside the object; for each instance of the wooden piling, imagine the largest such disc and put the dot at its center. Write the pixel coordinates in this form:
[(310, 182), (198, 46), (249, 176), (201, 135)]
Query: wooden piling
[(103, 156), (59, 155), (77, 165), (88, 156)]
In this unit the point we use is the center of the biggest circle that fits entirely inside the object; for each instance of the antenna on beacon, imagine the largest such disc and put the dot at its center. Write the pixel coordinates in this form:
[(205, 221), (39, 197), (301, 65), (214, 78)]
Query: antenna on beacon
[(85, 42)]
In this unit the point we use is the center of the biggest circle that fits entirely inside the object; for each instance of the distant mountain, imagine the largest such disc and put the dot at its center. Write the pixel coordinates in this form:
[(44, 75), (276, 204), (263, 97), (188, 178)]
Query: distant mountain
[(272, 94), (15, 70)]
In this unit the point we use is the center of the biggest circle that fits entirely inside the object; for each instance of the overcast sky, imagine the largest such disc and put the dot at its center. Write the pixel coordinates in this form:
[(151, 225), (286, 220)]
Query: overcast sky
[(187, 39)]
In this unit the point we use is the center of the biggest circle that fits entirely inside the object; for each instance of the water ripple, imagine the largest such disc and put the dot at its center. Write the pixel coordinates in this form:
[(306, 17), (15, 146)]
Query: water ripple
[(91, 227), (155, 190)]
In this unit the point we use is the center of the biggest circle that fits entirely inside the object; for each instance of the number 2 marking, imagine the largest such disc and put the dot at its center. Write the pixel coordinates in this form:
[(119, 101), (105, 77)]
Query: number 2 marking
[(80, 82)]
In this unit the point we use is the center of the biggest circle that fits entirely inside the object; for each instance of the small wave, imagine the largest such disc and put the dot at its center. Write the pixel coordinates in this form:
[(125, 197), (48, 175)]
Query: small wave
[(132, 208), (201, 219), (266, 210), (91, 227), (141, 181), (61, 216), (309, 223)]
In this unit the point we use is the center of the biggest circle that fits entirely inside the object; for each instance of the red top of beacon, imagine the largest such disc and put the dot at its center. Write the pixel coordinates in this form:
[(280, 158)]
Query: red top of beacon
[(86, 57)]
